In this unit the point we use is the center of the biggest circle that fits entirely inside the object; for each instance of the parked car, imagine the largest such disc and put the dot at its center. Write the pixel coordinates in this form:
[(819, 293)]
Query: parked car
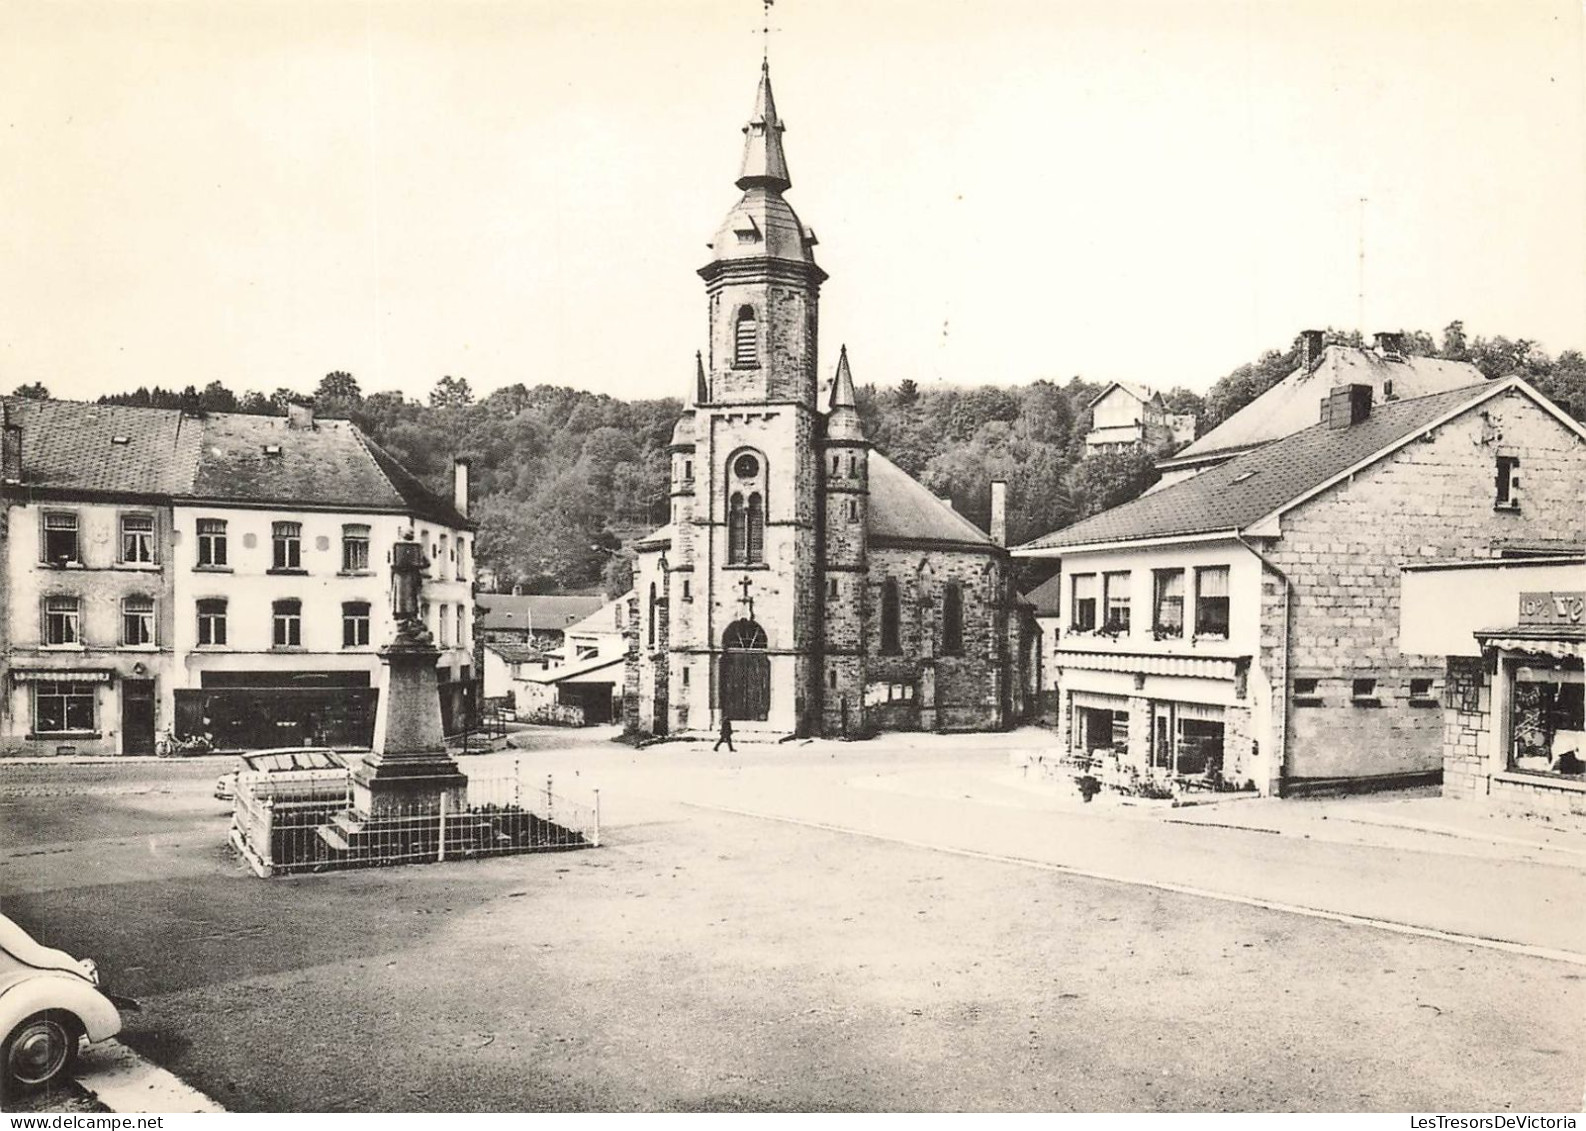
[(49, 1001), (287, 773)]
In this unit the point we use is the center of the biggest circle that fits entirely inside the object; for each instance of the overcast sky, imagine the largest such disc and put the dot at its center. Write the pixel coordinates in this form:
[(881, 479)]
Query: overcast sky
[(262, 192)]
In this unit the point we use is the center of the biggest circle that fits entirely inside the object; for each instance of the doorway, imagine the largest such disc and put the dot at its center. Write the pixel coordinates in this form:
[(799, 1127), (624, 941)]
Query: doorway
[(745, 672), (137, 716)]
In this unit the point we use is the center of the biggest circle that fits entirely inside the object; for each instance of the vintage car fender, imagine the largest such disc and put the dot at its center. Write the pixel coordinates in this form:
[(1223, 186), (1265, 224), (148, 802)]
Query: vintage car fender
[(34, 991)]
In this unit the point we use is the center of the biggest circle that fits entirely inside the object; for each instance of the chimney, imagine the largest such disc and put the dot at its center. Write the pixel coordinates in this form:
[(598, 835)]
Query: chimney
[(460, 469), (299, 417), (999, 511), (1346, 405), (11, 451), (1390, 343), (1309, 346)]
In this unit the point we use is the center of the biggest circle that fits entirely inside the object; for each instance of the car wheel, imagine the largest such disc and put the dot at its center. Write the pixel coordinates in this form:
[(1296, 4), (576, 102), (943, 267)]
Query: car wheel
[(41, 1050)]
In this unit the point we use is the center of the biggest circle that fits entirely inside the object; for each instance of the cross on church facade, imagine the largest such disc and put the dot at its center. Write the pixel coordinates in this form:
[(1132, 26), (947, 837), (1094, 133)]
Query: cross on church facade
[(747, 599)]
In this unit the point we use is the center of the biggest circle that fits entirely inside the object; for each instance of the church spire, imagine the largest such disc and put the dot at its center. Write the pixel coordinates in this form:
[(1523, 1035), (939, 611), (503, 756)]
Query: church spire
[(701, 386), (763, 162), (843, 383)]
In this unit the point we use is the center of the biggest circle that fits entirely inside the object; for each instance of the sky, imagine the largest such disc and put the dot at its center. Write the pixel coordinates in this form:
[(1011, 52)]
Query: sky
[(1003, 190)]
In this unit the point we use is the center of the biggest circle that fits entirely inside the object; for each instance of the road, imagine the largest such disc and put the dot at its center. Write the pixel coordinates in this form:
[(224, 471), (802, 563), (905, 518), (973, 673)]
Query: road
[(709, 960)]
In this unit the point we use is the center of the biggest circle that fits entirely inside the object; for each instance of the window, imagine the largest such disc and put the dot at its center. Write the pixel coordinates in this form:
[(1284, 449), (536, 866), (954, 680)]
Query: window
[(355, 548), (953, 620), (737, 530), (1116, 587), (444, 627), (1167, 602), (649, 636), (1363, 690), (1421, 692), (61, 621), (1211, 601), (835, 463), (287, 624), (212, 622), (889, 616), (462, 559), (1508, 483), (746, 510), (746, 339), (853, 510), (1082, 607), (60, 538), (443, 553), (1547, 728), (831, 587), (354, 624), (688, 590), (462, 626), (288, 538), (60, 707), (137, 621), (212, 542), (756, 528), (137, 538), (688, 469), (1307, 692)]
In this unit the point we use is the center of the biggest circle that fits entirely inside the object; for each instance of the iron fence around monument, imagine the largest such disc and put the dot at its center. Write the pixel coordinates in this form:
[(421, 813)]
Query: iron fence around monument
[(284, 831)]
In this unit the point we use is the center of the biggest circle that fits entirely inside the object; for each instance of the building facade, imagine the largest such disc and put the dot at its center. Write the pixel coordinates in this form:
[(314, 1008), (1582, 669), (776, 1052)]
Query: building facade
[(805, 584), (1242, 625), (1125, 415), (212, 574)]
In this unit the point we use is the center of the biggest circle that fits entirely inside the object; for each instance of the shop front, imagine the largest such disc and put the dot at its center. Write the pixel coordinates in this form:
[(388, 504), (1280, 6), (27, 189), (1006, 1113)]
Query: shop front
[(1514, 735)]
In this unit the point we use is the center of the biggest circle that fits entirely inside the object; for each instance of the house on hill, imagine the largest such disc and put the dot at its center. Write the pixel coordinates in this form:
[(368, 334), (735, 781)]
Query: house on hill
[(212, 573), (1241, 626), (1126, 415), (805, 584)]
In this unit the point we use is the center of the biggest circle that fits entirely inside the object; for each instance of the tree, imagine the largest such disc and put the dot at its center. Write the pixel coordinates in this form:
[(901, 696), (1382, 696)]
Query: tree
[(908, 393), (451, 392), (33, 392), (1102, 481), (338, 386), (217, 398), (1455, 348)]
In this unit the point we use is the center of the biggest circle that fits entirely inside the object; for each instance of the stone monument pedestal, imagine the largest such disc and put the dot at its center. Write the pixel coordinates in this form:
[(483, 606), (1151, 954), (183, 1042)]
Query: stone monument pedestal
[(408, 772)]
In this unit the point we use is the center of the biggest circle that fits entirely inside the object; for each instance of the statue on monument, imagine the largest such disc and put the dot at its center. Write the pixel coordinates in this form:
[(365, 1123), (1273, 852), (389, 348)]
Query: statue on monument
[(407, 575)]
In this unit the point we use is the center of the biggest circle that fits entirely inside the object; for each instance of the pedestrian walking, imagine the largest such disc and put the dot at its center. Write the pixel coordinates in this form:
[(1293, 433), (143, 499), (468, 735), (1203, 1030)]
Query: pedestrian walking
[(726, 736)]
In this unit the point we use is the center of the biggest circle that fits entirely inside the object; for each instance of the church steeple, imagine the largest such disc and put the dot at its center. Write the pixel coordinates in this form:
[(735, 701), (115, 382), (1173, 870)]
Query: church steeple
[(843, 383), (701, 385), (764, 164)]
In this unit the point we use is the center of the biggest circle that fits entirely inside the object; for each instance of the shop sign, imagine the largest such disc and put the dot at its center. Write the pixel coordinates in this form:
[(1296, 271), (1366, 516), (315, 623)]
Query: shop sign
[(1552, 608)]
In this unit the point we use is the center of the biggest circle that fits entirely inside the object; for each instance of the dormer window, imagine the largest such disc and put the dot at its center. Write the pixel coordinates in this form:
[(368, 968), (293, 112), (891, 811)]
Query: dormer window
[(746, 339)]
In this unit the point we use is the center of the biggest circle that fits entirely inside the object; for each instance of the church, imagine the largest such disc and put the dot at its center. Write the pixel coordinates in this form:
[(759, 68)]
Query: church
[(805, 584)]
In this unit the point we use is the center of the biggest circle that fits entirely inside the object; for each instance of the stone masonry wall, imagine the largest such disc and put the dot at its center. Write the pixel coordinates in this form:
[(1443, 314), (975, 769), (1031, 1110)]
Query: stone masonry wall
[(1343, 551), (1467, 723)]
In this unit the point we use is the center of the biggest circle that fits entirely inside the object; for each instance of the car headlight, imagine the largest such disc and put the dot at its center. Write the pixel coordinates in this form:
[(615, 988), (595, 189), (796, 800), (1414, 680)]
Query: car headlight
[(90, 969)]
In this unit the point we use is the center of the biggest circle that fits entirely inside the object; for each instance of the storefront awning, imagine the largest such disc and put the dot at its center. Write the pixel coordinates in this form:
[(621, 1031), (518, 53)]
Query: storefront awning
[(1559, 649), (52, 675)]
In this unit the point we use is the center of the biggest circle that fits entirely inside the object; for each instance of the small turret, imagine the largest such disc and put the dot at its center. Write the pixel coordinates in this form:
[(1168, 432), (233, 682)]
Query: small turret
[(842, 421)]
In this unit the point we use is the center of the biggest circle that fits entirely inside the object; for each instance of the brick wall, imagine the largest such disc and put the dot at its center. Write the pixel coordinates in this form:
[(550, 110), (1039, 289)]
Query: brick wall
[(1343, 551)]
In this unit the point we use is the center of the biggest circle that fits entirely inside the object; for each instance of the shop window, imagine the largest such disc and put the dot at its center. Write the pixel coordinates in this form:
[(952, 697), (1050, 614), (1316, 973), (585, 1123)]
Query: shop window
[(60, 538), (1307, 693), (61, 707), (287, 624), (889, 616), (212, 543), (1547, 733), (288, 541), (1115, 590), (62, 621), (354, 624), (1167, 614), (953, 620), (1101, 730), (1363, 692), (212, 622), (137, 539), (355, 548), (1211, 602), (137, 621), (1082, 606), (1508, 475)]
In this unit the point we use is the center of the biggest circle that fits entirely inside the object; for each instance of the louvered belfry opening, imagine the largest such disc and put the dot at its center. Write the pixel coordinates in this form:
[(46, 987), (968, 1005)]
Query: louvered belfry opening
[(746, 339)]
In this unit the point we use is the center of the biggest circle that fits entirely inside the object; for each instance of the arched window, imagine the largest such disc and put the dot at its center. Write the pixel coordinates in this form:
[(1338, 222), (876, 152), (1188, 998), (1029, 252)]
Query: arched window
[(737, 530), (889, 616), (756, 528), (953, 620), (746, 339)]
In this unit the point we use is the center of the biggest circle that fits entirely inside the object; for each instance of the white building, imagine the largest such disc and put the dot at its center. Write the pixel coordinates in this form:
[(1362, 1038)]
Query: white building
[(1126, 415), (211, 573)]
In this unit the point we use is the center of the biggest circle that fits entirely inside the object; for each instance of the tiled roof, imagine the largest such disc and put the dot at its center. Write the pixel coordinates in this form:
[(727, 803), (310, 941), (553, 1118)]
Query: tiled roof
[(1044, 597), (516, 653), (902, 509), (113, 448), (1294, 403), (1247, 487), (1141, 393), (546, 613), (216, 456)]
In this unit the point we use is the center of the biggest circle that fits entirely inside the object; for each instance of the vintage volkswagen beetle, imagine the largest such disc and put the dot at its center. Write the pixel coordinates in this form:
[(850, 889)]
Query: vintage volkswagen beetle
[(48, 1002)]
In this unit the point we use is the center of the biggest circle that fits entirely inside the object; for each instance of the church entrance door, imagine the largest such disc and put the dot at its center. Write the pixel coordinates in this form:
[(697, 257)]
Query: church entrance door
[(745, 672)]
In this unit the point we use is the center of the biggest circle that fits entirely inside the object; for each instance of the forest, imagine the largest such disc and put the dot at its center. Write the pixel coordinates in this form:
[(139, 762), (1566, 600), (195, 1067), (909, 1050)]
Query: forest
[(563, 479)]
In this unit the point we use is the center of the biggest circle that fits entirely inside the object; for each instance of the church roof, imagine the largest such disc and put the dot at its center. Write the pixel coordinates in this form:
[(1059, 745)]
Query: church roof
[(1294, 402), (903, 510)]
